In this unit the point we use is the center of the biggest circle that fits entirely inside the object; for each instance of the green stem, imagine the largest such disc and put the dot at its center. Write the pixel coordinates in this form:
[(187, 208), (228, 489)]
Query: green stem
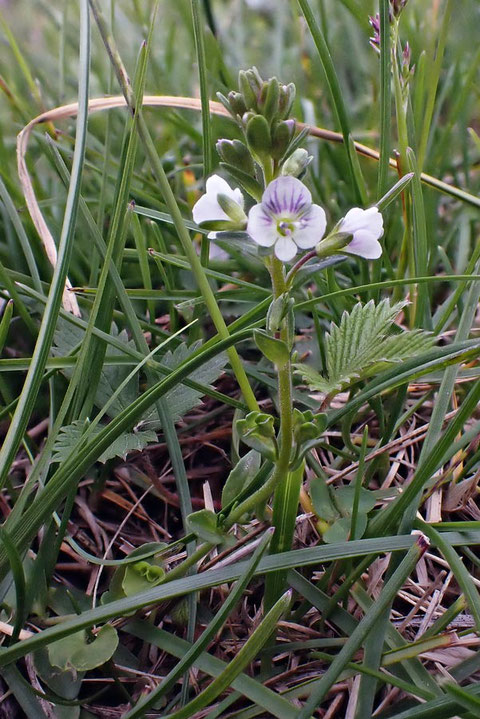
[(287, 487)]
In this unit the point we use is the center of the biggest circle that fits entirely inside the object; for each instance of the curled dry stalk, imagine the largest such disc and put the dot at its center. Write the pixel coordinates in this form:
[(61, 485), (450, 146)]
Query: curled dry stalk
[(187, 103)]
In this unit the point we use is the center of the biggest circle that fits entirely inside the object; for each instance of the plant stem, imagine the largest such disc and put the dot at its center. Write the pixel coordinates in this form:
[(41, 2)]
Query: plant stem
[(287, 487)]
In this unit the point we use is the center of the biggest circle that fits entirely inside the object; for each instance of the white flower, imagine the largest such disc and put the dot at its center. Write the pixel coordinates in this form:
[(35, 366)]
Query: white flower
[(209, 207), (286, 219), (366, 226)]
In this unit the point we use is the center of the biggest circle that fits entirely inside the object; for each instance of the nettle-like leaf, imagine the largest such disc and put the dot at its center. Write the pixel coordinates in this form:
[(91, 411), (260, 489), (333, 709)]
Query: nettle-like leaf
[(70, 436), (68, 336), (181, 399), (362, 342)]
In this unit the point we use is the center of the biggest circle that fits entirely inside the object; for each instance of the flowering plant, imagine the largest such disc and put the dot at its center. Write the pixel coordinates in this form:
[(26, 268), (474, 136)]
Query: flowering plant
[(275, 211)]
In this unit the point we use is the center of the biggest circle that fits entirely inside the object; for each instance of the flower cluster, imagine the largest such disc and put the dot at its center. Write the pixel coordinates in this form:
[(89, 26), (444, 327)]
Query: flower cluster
[(287, 221)]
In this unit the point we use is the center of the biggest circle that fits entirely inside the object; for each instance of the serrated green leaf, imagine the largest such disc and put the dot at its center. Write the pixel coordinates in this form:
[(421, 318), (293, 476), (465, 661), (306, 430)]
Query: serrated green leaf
[(129, 442), (70, 436), (75, 652), (360, 345), (182, 399)]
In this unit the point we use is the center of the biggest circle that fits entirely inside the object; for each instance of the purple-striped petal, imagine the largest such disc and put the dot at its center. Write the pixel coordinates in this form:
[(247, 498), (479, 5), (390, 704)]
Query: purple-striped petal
[(286, 196)]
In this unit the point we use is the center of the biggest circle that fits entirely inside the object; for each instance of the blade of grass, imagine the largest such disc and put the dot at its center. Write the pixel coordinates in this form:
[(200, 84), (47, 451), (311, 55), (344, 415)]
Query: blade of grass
[(234, 596), (262, 696), (335, 92), (171, 203), (215, 577), (34, 377), (365, 626)]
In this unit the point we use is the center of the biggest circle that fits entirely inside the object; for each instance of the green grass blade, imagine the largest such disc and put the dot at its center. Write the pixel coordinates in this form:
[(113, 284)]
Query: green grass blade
[(364, 628), (202, 642), (245, 655), (335, 91), (35, 374)]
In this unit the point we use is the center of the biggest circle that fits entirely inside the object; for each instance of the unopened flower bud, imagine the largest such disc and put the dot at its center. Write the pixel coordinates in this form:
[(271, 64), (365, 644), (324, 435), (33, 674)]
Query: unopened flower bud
[(235, 153), (247, 91), (374, 21), (258, 138), (269, 99), (282, 136), (237, 103), (286, 99), (297, 163), (396, 6), (231, 208)]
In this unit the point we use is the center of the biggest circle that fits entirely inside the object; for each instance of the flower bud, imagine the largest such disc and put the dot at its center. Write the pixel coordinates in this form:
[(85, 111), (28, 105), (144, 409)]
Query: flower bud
[(286, 99), (232, 209), (255, 79), (297, 163), (237, 103), (269, 99), (247, 91), (258, 138), (282, 136), (333, 243), (236, 153)]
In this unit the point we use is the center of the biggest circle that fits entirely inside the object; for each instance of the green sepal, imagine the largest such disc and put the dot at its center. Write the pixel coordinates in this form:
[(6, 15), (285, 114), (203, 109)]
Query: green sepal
[(235, 152), (257, 431), (269, 99), (247, 182), (247, 89), (281, 137)]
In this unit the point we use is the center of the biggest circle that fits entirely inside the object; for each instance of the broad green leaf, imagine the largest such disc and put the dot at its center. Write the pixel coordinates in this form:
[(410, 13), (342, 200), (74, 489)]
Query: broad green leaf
[(77, 653), (339, 531), (273, 349), (361, 344), (322, 500), (344, 497), (241, 475), (64, 682), (204, 524)]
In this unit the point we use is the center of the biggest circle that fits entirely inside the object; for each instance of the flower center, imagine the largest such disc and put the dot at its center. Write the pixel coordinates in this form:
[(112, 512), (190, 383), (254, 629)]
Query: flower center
[(285, 228)]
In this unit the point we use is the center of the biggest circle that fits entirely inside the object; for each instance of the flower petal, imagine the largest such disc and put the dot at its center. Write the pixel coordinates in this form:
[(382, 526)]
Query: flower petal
[(216, 185), (287, 195), (310, 228), (207, 209), (358, 219), (365, 244), (261, 227), (285, 249)]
